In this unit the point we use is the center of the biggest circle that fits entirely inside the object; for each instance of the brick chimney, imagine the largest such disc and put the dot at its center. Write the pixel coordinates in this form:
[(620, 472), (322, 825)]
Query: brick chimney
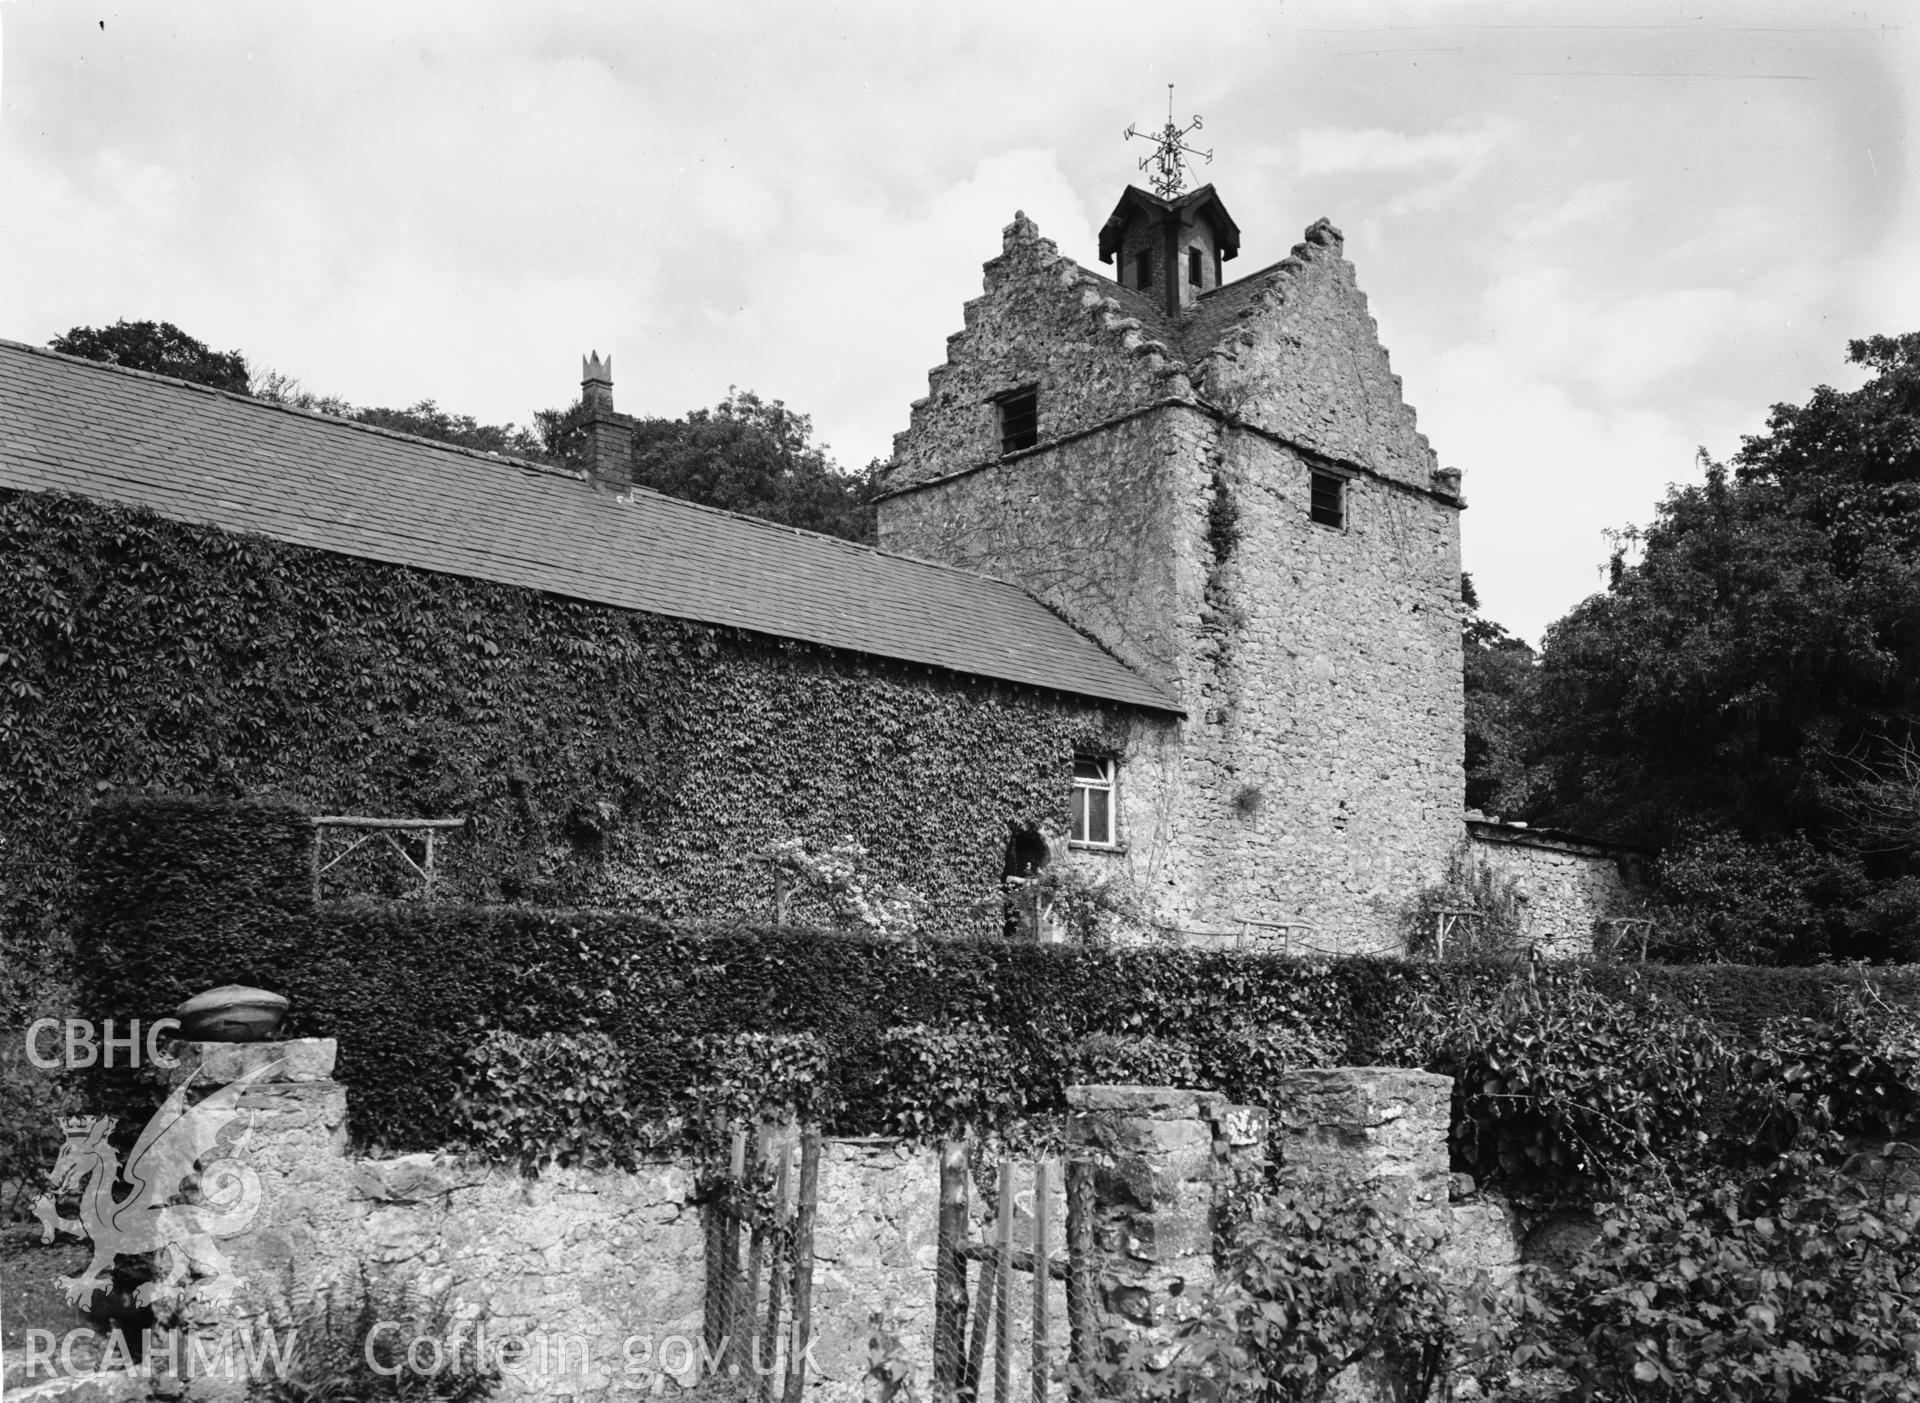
[(609, 435)]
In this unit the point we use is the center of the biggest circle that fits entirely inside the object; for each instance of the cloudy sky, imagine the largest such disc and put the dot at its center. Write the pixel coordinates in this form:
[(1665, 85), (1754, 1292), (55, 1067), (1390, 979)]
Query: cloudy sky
[(1597, 234)]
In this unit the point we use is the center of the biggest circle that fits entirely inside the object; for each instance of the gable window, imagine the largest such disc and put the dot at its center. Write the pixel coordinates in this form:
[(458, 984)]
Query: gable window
[(1019, 419), (1143, 269), (1328, 506), (1093, 800), (1193, 266)]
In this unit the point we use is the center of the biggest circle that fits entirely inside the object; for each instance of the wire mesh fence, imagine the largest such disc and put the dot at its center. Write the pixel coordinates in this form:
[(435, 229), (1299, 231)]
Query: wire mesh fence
[(759, 1278), (1014, 1281)]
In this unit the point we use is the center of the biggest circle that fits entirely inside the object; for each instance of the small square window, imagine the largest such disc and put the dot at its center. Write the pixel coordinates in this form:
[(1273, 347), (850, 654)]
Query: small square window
[(1019, 420), (1093, 800), (1193, 266), (1143, 269), (1329, 503)]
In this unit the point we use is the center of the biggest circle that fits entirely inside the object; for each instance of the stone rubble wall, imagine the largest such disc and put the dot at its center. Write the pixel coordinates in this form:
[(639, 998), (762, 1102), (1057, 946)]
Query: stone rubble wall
[(1326, 767), (1099, 528), (1045, 320), (599, 1269), (1304, 361), (1568, 887)]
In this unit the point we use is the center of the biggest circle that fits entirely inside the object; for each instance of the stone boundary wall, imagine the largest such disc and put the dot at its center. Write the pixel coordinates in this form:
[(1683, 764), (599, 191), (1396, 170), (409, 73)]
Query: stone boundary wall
[(599, 1270), (1569, 884)]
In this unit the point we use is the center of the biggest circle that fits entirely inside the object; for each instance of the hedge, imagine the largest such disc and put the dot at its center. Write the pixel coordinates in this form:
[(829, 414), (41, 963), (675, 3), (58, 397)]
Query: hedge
[(181, 895)]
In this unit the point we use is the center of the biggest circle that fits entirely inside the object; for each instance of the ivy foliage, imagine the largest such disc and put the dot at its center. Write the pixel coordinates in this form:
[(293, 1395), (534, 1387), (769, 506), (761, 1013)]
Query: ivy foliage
[(578, 1036), (1854, 1073), (1801, 1284), (600, 758), (1558, 1086)]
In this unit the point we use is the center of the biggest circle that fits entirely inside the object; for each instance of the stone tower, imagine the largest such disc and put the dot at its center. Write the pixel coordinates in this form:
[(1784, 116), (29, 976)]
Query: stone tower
[(1221, 482)]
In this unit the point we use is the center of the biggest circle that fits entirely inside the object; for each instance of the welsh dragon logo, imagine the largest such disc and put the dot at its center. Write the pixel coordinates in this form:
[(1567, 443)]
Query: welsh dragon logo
[(149, 1219)]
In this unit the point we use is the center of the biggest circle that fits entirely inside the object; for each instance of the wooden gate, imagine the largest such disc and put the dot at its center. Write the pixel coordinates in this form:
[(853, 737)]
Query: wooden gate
[(986, 1344), (759, 1301)]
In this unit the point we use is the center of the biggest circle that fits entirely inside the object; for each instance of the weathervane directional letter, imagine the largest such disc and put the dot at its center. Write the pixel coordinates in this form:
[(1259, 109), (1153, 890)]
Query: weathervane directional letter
[(1169, 172)]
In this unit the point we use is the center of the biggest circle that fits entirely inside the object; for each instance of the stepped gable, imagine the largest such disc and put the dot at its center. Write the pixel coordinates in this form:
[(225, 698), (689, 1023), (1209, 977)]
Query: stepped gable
[(1120, 345), (1125, 350), (206, 456)]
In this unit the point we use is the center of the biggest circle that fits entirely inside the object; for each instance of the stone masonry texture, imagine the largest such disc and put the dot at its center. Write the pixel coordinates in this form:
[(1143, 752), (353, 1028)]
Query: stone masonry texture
[(606, 1266), (1316, 779), (1569, 888)]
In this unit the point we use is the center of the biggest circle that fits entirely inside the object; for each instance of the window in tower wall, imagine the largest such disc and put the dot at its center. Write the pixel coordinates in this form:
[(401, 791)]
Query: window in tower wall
[(1193, 266), (1328, 503), (1093, 793), (1143, 269), (1019, 419)]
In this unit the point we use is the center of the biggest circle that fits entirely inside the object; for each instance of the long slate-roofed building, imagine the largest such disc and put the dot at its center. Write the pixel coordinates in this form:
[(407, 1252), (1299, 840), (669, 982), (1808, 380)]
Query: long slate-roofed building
[(1183, 531)]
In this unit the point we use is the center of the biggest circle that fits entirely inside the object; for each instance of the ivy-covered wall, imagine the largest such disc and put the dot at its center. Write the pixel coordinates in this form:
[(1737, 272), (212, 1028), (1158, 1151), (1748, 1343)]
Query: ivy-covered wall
[(601, 758), (878, 1035)]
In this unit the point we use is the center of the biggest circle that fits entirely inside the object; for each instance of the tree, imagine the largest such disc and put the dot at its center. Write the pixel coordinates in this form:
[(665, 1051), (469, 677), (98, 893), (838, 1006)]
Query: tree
[(747, 454), (1756, 672), (756, 457), (1499, 680), (160, 347), (1772, 623), (428, 420)]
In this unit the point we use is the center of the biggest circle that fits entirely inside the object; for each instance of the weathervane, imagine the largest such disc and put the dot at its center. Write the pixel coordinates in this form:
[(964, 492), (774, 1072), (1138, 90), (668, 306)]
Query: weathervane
[(1169, 171)]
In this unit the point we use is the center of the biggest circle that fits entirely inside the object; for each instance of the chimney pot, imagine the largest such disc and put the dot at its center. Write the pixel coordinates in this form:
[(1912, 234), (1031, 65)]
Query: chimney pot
[(609, 435)]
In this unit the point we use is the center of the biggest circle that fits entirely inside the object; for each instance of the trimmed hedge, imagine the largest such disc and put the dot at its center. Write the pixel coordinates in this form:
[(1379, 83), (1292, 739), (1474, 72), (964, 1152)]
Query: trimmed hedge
[(184, 894)]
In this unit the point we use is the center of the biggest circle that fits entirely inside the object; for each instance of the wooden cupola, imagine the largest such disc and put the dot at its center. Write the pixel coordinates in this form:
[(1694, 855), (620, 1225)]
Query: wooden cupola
[(1170, 249)]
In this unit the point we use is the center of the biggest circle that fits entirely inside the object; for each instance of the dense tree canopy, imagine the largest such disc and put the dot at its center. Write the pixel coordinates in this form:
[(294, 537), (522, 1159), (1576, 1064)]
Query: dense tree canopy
[(1768, 637), (1499, 676), (160, 347), (758, 457), (1750, 684), (428, 420), (747, 454)]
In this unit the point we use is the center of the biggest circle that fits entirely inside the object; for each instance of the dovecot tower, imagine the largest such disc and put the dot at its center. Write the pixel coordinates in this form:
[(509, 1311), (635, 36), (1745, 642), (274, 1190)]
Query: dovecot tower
[(1220, 481)]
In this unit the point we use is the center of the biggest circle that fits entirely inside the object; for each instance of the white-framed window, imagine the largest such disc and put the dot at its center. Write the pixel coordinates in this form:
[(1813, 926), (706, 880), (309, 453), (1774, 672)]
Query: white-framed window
[(1093, 784)]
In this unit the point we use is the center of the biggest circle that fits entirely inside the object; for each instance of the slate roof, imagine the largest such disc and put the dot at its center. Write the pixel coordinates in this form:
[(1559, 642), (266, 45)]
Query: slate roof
[(1200, 327), (201, 455)]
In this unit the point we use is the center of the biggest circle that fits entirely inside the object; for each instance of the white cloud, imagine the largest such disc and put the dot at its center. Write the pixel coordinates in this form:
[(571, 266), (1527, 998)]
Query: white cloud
[(1335, 150), (1581, 280), (1547, 475)]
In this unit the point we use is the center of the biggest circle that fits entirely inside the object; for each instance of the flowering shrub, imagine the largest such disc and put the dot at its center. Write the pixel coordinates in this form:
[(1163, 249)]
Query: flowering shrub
[(842, 876), (1498, 927), (1088, 909)]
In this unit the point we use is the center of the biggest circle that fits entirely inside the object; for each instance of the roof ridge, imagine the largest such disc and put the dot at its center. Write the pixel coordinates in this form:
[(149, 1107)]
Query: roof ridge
[(555, 471), (254, 401)]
